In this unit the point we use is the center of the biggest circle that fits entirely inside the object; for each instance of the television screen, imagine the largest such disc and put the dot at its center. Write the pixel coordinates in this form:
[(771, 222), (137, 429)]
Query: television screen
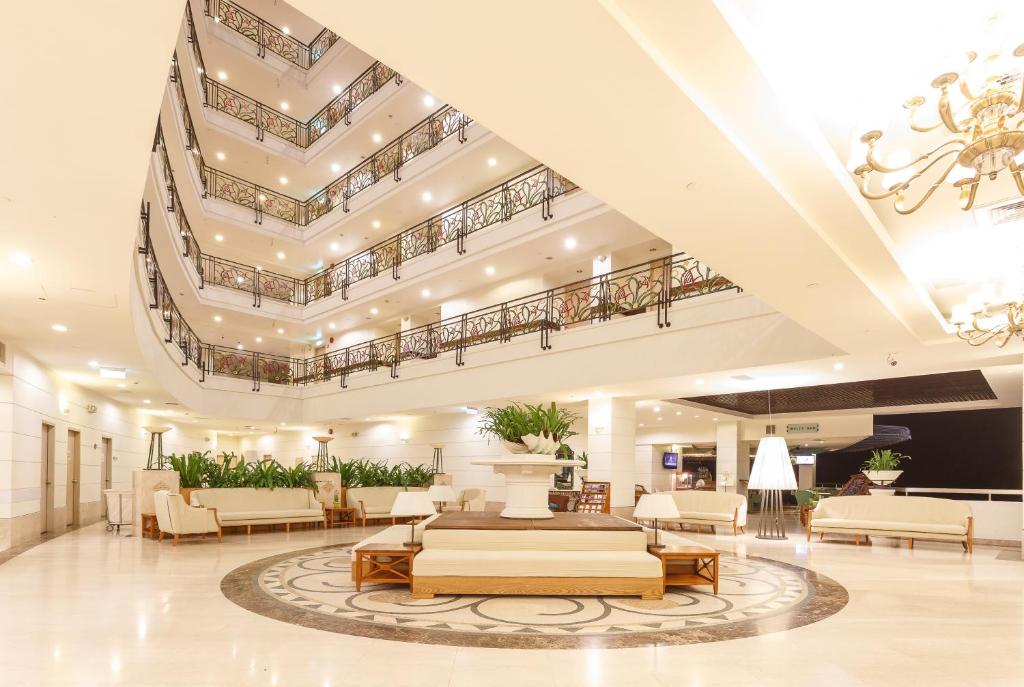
[(670, 461), (805, 460)]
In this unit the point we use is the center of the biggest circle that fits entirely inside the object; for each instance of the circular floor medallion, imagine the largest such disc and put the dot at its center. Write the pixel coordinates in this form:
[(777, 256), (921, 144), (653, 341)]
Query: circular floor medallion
[(313, 588)]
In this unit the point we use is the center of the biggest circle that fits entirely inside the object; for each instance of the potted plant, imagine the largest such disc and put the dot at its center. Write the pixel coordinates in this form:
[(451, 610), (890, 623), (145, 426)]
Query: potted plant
[(192, 469), (882, 468), (525, 428)]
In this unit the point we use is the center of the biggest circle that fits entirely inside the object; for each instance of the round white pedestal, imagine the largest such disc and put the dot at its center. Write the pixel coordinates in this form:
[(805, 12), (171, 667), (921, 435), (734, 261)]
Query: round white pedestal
[(527, 481)]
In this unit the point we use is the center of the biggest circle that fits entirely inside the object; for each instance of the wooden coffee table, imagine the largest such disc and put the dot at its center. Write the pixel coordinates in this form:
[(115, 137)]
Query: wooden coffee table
[(390, 563), (687, 565), (348, 516)]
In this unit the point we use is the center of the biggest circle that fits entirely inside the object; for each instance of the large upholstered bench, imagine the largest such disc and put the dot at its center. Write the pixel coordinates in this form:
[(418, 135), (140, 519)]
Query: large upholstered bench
[(710, 509), (904, 517), (248, 506), (374, 503), (538, 557)]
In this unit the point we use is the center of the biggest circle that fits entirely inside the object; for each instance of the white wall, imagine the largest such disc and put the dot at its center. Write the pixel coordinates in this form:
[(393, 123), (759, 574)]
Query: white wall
[(649, 471), (30, 395)]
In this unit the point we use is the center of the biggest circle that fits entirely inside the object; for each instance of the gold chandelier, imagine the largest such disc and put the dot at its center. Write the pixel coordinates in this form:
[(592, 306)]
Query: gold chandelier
[(986, 317), (984, 122)]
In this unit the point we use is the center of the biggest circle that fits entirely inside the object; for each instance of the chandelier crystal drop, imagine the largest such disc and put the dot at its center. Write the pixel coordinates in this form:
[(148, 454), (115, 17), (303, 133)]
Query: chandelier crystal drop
[(980, 133)]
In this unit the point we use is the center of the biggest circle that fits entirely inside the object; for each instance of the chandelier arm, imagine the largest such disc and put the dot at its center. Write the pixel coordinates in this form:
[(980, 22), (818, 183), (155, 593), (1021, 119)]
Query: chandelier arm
[(965, 90), (929, 192), (1015, 173), (875, 196), (917, 127), (879, 167), (971, 194), (946, 113)]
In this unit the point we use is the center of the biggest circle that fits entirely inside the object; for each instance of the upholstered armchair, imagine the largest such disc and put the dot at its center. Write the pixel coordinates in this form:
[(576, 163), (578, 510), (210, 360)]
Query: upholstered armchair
[(174, 516)]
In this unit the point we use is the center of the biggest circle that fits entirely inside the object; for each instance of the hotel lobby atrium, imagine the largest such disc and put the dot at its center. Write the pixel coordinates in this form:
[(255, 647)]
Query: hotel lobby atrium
[(581, 343)]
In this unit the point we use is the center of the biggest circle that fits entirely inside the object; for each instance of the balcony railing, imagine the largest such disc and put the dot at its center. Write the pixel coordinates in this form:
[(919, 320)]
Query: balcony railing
[(266, 36), (622, 293), (267, 119), (536, 187), (386, 162)]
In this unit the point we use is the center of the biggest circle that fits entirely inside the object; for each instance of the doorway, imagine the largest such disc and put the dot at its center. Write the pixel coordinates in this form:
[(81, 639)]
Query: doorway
[(73, 502), (46, 476), (108, 472)]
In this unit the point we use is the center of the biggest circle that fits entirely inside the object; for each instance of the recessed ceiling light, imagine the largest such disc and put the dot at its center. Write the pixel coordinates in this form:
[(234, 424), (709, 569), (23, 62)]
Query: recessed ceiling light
[(696, 417), (374, 311), (285, 30), (217, 318), (491, 162), (284, 104), (489, 270), (121, 386), (657, 409), (335, 247), (113, 372), (335, 167), (283, 180), (377, 138), (714, 419), (221, 156), (569, 243), (428, 100), (239, 345), (337, 89), (280, 255), (259, 339), (375, 224), (700, 381), (280, 330), (218, 237), (838, 366), (146, 400), (641, 424), (283, 424), (222, 75), (659, 419), (425, 293), (93, 363), (21, 259), (679, 412), (427, 196), (330, 325), (59, 328)]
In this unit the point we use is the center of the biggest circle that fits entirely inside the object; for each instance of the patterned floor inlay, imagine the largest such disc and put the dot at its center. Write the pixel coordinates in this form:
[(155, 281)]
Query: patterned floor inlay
[(313, 588)]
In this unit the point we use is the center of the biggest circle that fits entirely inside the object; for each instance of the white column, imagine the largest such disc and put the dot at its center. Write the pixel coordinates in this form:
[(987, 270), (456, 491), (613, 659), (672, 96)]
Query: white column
[(611, 447), (727, 440)]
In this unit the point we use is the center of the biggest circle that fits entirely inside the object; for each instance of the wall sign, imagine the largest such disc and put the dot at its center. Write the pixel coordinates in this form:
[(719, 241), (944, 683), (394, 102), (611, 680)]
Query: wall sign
[(804, 428)]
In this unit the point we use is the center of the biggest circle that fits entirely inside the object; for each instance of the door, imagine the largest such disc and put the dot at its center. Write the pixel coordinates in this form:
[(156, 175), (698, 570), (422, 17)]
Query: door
[(46, 475), (74, 477), (108, 471)]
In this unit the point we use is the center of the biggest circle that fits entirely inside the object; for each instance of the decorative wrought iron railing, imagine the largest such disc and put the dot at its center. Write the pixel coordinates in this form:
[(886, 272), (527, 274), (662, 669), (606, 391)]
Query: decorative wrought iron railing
[(267, 119), (536, 187), (266, 36), (388, 161), (630, 291), (221, 271)]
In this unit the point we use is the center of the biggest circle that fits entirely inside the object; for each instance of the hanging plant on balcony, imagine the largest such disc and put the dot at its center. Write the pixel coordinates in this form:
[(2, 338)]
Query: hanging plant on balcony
[(525, 428)]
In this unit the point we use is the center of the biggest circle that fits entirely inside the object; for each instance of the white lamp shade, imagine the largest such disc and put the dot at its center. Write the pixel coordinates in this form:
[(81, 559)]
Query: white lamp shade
[(652, 506), (410, 503), (442, 492), (772, 469)]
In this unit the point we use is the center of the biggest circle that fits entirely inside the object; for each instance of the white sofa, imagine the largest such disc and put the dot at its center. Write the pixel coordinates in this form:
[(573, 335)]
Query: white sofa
[(536, 562), (904, 517), (374, 503), (248, 506), (710, 509), (174, 516)]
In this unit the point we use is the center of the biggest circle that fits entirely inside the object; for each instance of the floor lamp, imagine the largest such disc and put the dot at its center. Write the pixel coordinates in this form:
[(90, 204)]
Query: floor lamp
[(772, 473), (155, 461)]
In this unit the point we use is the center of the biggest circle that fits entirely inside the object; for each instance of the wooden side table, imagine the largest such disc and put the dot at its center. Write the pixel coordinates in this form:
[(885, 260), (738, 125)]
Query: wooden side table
[(348, 516), (687, 565), (149, 525), (385, 563)]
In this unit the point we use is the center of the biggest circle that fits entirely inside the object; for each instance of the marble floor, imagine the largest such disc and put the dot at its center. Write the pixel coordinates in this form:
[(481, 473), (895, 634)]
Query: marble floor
[(90, 608)]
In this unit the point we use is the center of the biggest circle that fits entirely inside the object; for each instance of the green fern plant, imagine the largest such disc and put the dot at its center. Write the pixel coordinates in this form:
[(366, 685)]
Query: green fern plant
[(883, 459), (192, 468), (515, 421)]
